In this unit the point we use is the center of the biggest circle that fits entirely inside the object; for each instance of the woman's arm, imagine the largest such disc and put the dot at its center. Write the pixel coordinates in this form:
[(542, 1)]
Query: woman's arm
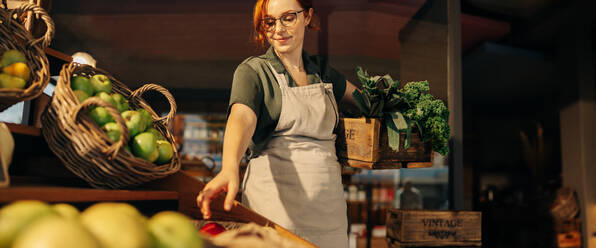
[(348, 98), (240, 127)]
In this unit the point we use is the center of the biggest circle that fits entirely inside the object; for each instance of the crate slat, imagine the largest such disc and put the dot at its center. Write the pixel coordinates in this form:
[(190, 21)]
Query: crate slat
[(391, 243)]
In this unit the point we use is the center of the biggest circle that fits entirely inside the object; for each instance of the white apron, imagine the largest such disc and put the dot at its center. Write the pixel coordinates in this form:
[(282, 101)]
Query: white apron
[(296, 180)]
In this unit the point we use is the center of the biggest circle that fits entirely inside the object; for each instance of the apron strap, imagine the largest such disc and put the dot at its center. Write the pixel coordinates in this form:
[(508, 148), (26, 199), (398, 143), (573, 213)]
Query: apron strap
[(280, 78)]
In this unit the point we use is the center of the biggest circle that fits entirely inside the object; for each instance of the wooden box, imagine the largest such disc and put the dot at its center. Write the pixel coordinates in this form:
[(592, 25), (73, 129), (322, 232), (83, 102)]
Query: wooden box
[(362, 143), (419, 228)]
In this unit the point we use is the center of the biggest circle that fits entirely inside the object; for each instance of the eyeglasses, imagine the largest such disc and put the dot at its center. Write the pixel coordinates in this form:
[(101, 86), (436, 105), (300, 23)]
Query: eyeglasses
[(287, 20)]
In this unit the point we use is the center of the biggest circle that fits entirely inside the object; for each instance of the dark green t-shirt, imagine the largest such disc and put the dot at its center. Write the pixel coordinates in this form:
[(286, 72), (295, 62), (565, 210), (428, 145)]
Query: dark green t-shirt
[(255, 86)]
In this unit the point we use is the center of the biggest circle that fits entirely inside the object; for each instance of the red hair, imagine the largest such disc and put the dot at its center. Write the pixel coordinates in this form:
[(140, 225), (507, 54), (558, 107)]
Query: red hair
[(260, 12)]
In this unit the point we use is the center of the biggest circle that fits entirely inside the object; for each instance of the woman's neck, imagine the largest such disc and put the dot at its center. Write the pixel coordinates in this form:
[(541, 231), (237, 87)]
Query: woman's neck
[(292, 60)]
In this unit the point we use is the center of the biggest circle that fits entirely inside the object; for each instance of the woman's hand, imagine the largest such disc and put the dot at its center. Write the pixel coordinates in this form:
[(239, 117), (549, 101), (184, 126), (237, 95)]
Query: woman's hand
[(224, 181), (240, 127)]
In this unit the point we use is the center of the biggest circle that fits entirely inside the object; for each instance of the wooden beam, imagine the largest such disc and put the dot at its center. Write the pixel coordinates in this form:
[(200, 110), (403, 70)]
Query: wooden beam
[(58, 55), (24, 129), (576, 61), (454, 103), (72, 194)]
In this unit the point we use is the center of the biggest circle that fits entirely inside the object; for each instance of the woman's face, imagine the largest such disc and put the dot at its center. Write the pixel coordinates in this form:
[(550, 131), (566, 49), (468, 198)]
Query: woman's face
[(284, 27)]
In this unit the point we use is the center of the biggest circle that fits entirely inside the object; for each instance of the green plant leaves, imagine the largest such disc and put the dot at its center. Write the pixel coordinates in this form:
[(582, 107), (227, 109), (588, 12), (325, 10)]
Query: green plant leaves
[(361, 102), (403, 108), (392, 133)]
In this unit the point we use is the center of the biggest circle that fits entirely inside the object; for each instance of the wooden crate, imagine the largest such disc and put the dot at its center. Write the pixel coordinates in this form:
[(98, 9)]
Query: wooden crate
[(420, 228), (362, 143)]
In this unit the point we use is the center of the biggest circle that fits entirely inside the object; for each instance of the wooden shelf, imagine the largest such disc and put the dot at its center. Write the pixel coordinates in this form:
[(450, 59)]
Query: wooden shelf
[(348, 171), (356, 202), (23, 129), (193, 163), (68, 194), (200, 173), (25, 188)]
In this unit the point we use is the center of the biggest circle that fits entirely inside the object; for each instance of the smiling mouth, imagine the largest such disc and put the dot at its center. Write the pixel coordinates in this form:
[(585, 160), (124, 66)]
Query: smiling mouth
[(283, 39)]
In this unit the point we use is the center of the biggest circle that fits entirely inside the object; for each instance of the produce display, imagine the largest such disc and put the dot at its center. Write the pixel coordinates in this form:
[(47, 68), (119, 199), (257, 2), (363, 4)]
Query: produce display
[(15, 72), (405, 108), (30, 223), (145, 141)]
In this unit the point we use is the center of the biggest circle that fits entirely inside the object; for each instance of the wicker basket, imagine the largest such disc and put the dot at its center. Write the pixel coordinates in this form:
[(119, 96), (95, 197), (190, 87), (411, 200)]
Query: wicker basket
[(13, 35), (86, 150)]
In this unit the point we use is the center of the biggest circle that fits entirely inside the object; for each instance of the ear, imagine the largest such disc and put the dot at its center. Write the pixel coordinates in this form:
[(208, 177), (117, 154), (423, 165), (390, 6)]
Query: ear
[(308, 17)]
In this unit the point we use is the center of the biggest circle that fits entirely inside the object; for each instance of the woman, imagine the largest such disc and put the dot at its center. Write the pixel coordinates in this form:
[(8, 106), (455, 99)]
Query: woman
[(283, 108)]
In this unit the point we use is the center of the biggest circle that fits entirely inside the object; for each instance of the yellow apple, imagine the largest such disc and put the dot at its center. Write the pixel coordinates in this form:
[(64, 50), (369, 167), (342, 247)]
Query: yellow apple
[(10, 82), (18, 69), (56, 232)]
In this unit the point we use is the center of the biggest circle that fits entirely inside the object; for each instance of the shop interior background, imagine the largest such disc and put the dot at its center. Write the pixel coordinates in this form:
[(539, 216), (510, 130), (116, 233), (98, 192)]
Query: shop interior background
[(527, 81)]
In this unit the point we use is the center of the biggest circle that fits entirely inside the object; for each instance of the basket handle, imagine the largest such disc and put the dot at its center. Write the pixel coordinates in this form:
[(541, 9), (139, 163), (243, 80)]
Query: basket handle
[(112, 150), (37, 10), (147, 87)]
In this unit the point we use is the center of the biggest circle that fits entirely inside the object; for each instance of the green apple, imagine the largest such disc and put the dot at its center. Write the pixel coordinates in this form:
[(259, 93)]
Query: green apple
[(101, 116), (10, 82), (157, 134), (144, 145), (17, 216), (67, 211), (81, 83), (154, 155), (81, 95), (134, 122), (124, 106), (121, 102), (101, 83), (56, 232), (112, 130), (106, 97), (116, 225), (166, 152), (12, 56), (147, 117), (171, 229)]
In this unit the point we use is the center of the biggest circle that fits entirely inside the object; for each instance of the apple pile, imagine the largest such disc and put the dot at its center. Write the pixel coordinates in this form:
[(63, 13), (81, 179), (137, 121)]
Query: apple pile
[(146, 142), (31, 223), (15, 72)]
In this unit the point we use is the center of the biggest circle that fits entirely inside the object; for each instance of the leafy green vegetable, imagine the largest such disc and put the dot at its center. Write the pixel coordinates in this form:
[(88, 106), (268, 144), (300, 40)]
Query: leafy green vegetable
[(377, 95), (392, 134), (403, 109)]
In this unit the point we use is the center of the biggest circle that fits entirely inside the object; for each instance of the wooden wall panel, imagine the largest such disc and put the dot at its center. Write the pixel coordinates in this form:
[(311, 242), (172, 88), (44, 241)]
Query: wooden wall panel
[(198, 44), (179, 50), (424, 56)]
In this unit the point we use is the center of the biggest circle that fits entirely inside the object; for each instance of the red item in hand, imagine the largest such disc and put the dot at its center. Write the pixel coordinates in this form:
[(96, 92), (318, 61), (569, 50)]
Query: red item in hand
[(212, 229)]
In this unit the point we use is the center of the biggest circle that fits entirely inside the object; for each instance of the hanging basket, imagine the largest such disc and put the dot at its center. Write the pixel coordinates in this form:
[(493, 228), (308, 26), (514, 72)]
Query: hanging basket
[(13, 35), (86, 150)]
